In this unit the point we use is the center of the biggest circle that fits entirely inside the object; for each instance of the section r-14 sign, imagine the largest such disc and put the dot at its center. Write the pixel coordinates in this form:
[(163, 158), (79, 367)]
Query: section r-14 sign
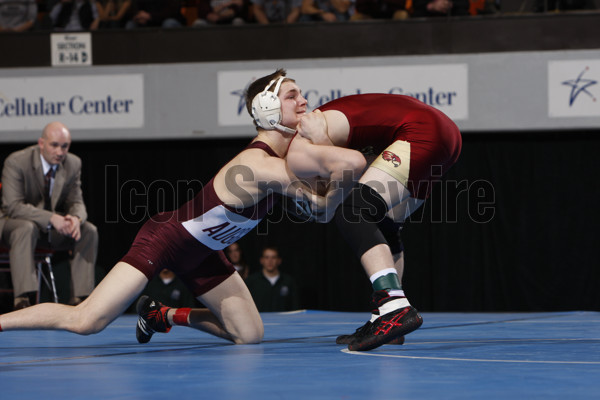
[(71, 49)]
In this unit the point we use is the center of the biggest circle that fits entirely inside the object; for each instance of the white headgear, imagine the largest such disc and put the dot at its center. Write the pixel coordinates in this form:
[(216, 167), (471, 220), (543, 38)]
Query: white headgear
[(266, 108)]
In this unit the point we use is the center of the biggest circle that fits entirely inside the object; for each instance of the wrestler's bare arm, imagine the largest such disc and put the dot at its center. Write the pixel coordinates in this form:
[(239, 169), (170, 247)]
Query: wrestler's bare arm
[(252, 175), (313, 126), (329, 128), (342, 167), (276, 176)]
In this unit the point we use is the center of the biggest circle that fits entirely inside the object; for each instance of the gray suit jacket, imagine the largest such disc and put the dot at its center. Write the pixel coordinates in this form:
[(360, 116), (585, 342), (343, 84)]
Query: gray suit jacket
[(23, 188)]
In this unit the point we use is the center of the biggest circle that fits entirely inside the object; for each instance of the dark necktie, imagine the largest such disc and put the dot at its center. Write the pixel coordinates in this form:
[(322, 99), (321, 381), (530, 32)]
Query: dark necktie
[(47, 179)]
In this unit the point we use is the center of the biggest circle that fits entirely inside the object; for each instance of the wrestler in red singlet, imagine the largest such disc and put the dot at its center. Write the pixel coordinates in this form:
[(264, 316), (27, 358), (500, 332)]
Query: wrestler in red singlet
[(378, 120)]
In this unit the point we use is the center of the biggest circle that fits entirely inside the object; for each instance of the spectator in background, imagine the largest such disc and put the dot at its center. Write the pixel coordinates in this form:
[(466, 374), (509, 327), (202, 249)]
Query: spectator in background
[(325, 10), (170, 291), (276, 11), (226, 12), (380, 9), (113, 13), (484, 7), (271, 289), (43, 204), (75, 15), (235, 256), (440, 8), (563, 5), (155, 13), (195, 11), (17, 15)]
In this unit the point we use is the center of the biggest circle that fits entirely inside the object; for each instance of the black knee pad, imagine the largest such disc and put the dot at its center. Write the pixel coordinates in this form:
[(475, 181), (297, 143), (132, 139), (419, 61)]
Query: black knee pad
[(357, 219), (391, 232), (364, 203)]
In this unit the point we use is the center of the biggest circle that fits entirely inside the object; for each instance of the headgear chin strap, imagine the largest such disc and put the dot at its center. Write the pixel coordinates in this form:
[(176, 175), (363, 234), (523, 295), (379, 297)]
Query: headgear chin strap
[(266, 108)]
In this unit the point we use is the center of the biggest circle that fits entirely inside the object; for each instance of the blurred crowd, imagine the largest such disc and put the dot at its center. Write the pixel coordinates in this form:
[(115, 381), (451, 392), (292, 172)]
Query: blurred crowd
[(84, 15)]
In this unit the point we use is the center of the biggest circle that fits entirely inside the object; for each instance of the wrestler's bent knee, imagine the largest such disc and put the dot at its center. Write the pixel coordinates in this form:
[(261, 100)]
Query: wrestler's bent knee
[(249, 334), (88, 323)]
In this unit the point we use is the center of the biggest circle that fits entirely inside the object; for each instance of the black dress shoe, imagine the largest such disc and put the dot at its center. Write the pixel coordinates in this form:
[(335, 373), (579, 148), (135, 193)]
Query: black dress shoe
[(75, 301), (21, 302)]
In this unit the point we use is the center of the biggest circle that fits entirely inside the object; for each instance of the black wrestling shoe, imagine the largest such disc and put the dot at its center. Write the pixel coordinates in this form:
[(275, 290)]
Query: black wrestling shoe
[(388, 328), (152, 318), (363, 330), (347, 339)]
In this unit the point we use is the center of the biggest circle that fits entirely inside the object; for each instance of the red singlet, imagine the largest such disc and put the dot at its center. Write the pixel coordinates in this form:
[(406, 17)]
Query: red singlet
[(378, 120)]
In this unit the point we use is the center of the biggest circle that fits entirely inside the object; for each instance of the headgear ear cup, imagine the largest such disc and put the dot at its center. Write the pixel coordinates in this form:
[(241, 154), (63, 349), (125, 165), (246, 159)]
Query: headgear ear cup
[(266, 106)]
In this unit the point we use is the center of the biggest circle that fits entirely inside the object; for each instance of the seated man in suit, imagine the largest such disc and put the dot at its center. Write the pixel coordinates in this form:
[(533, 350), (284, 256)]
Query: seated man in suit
[(42, 205)]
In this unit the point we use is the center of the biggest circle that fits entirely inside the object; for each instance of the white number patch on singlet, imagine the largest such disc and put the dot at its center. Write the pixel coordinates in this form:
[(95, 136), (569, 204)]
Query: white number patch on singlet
[(219, 227)]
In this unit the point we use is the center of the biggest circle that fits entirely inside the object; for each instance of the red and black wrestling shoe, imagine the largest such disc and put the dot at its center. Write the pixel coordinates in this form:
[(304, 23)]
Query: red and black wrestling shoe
[(388, 327), (363, 330), (152, 319)]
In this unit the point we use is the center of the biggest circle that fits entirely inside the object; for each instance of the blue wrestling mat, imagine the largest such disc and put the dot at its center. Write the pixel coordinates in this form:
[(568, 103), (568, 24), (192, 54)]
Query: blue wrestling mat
[(452, 356)]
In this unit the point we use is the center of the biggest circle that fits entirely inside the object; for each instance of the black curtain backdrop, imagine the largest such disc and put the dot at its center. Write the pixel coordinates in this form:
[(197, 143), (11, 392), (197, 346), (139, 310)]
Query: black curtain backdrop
[(512, 227)]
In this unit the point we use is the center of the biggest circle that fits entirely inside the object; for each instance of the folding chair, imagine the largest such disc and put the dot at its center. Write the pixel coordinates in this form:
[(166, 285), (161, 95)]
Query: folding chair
[(42, 257)]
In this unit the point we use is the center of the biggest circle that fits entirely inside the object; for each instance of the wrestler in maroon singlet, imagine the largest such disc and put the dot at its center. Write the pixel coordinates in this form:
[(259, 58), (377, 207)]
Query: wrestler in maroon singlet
[(190, 240)]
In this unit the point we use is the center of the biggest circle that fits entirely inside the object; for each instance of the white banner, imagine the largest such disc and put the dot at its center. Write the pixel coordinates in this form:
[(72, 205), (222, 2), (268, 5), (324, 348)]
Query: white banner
[(80, 102), (443, 86), (574, 88), (488, 92)]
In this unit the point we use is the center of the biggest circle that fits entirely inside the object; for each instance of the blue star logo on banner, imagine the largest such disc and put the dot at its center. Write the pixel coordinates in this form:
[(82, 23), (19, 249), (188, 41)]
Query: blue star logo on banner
[(579, 86), (241, 94)]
